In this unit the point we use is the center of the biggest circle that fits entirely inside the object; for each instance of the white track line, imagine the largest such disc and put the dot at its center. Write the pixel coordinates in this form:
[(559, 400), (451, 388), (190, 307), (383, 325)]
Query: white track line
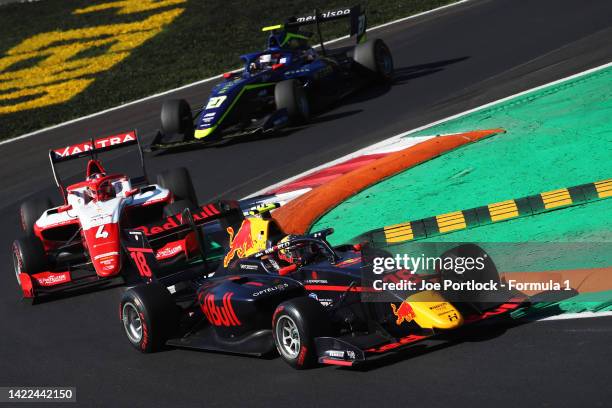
[(393, 139), (579, 315), (202, 81)]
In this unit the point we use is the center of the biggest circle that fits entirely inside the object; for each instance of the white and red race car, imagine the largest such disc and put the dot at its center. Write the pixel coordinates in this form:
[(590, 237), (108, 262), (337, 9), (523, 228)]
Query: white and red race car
[(78, 243)]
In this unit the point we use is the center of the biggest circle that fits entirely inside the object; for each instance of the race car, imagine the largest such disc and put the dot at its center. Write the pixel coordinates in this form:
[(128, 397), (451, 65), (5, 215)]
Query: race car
[(283, 84), (305, 299), (78, 243)]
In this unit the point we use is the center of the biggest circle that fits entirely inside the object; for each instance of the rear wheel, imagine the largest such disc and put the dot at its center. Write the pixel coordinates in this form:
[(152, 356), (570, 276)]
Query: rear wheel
[(30, 211), (149, 316), (375, 56), (179, 182), (295, 325), (176, 118), (28, 256), (290, 95)]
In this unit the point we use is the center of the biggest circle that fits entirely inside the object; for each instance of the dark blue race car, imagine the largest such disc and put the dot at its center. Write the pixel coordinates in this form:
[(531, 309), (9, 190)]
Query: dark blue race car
[(284, 84)]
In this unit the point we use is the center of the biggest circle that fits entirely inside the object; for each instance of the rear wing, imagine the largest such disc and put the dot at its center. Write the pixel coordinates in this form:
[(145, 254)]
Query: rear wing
[(92, 148), (227, 210), (356, 15), (141, 243)]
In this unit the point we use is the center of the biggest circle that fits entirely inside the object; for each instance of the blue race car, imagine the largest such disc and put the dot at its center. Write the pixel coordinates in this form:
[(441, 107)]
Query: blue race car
[(282, 85)]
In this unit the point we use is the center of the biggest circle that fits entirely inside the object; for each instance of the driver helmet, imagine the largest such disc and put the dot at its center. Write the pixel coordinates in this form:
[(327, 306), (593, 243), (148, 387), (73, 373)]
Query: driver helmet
[(103, 192), (291, 256), (106, 191)]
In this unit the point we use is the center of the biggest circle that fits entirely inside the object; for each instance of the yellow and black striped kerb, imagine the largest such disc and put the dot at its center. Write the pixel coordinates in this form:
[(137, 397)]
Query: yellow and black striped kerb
[(491, 213)]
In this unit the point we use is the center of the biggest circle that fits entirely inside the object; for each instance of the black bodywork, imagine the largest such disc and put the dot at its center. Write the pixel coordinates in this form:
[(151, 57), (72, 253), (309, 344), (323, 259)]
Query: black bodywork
[(232, 310)]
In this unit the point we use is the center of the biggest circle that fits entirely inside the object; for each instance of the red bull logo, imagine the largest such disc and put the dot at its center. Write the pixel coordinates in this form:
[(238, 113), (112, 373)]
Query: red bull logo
[(223, 315), (240, 243), (403, 313)]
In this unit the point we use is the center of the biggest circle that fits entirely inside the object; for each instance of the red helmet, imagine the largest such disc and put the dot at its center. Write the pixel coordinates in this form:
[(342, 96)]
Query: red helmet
[(102, 191)]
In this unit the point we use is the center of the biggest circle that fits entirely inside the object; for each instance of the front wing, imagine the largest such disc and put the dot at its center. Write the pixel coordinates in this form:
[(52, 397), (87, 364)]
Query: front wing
[(352, 350)]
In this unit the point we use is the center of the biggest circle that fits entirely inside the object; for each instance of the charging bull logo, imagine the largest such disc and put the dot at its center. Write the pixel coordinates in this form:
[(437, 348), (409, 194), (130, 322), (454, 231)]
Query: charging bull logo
[(403, 313), (240, 243)]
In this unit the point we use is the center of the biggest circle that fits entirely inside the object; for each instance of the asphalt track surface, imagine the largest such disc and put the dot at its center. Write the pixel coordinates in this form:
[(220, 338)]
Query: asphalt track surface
[(446, 62)]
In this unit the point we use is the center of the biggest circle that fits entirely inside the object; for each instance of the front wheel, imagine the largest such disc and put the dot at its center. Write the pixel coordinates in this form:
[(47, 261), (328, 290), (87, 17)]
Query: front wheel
[(176, 118), (28, 256), (30, 211), (290, 95), (295, 325), (149, 317)]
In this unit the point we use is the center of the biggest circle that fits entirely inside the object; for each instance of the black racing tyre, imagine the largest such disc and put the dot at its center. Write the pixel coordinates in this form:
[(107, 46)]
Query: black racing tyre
[(28, 256), (177, 207), (179, 182), (375, 56), (176, 117), (149, 316), (30, 211), (484, 270), (290, 95), (295, 325)]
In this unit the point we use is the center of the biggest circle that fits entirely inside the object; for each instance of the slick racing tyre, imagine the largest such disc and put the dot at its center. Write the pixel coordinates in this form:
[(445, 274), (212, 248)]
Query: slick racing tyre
[(295, 325), (179, 182), (149, 316), (487, 273), (290, 95), (177, 207), (176, 118), (30, 211), (28, 256), (375, 56)]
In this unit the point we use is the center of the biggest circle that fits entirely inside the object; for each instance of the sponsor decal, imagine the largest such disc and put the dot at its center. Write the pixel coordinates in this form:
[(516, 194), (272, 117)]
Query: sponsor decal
[(239, 243), (223, 315), (170, 250), (51, 279), (327, 14), (174, 221), (336, 353), (249, 267), (297, 71), (315, 281), (404, 313), (271, 289), (98, 144), (105, 255)]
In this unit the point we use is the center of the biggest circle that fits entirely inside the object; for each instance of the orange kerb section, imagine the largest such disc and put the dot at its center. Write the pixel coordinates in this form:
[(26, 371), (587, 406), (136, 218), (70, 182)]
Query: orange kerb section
[(298, 215)]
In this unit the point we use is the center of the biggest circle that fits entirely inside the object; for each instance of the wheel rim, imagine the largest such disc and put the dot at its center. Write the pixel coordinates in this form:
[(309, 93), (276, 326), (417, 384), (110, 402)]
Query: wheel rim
[(17, 266), (384, 61), (132, 323), (288, 337)]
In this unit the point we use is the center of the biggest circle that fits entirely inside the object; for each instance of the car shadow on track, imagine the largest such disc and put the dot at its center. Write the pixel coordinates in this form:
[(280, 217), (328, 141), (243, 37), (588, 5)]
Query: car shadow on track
[(405, 74)]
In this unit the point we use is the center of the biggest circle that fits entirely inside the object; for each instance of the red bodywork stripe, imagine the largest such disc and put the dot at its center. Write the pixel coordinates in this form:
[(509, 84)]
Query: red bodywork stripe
[(413, 338), (340, 288), (336, 362), (146, 250)]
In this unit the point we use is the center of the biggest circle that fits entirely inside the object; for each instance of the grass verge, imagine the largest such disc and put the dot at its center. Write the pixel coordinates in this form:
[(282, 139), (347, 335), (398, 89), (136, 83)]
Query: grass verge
[(205, 40)]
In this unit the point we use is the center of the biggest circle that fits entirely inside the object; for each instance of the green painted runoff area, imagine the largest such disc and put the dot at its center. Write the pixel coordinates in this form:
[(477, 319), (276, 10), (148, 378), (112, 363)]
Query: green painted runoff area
[(557, 137)]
